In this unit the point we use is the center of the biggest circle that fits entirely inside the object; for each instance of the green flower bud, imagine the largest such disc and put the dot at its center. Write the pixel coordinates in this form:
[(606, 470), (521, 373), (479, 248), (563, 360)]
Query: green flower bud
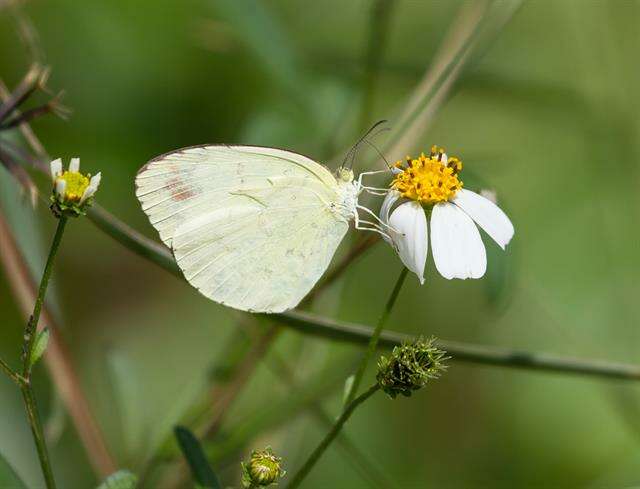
[(409, 367), (263, 469)]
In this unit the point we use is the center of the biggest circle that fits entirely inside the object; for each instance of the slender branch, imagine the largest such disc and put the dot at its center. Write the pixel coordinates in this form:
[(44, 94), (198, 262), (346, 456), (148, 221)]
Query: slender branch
[(373, 341), (30, 330), (321, 448), (13, 375), (57, 357), (463, 352), (27, 351), (38, 433), (35, 78), (355, 333)]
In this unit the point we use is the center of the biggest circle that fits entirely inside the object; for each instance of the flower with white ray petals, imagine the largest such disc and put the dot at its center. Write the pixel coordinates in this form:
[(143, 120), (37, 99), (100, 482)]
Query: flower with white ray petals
[(72, 190), (428, 189)]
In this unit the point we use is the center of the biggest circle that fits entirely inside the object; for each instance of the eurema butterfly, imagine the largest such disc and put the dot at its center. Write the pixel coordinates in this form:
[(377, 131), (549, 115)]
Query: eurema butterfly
[(253, 228)]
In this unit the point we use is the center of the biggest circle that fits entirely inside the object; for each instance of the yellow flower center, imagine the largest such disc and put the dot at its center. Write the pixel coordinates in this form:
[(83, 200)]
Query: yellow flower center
[(77, 183), (428, 180)]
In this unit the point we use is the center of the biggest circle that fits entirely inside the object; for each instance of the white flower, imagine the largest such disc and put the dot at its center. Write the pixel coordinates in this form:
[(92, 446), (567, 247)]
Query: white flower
[(71, 189), (430, 186)]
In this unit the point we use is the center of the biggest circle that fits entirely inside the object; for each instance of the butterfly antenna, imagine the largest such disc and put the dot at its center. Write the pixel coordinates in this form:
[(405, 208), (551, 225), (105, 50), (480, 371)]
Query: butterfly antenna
[(354, 149), (379, 153)]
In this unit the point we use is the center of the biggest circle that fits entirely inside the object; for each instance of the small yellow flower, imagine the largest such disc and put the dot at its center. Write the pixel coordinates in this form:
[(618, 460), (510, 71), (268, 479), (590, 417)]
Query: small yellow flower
[(72, 190)]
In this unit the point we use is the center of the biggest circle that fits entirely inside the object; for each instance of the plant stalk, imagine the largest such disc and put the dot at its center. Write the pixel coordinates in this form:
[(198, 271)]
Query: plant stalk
[(321, 448), (373, 341), (30, 334), (32, 325)]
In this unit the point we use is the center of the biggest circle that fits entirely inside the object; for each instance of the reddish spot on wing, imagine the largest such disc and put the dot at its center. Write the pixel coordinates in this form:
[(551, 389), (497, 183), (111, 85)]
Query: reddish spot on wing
[(178, 191)]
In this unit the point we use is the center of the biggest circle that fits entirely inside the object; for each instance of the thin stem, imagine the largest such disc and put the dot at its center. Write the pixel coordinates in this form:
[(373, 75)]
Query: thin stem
[(321, 448), (58, 358), (357, 333), (13, 375), (373, 341), (38, 433), (30, 331), (463, 352), (27, 350)]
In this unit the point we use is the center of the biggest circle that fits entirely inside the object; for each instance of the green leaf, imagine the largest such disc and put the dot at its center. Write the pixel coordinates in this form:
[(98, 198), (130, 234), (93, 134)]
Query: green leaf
[(123, 479), (192, 450), (8, 478), (39, 346)]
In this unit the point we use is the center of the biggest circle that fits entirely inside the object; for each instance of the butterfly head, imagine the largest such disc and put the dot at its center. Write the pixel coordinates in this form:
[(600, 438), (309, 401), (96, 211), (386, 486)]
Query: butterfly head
[(344, 175)]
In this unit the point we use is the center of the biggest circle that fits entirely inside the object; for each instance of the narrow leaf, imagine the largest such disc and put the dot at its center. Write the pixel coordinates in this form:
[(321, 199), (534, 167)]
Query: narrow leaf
[(192, 450), (123, 479), (39, 346)]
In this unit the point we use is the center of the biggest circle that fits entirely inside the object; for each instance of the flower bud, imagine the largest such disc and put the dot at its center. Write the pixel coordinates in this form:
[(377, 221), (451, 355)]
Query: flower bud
[(262, 470), (409, 367)]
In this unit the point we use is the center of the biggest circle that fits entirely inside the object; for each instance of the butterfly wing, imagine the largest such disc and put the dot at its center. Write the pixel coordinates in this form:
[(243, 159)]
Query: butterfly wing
[(250, 227)]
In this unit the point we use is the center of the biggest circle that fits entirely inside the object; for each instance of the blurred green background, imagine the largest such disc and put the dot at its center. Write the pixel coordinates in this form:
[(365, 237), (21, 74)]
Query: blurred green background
[(546, 114)]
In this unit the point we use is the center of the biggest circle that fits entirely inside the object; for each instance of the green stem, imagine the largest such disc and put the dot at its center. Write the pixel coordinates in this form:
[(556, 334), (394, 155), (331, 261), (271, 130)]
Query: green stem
[(38, 433), (373, 341), (32, 325), (337, 426), (27, 350), (13, 375), (357, 333)]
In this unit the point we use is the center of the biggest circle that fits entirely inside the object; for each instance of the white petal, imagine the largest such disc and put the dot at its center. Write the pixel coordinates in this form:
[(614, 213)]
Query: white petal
[(56, 168), (396, 171), (390, 199), (488, 215), (410, 240), (445, 159), (61, 186), (74, 166), (455, 240), (91, 189)]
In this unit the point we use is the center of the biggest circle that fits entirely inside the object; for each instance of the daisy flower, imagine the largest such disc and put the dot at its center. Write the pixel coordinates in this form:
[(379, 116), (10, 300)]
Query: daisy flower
[(428, 188), (72, 190)]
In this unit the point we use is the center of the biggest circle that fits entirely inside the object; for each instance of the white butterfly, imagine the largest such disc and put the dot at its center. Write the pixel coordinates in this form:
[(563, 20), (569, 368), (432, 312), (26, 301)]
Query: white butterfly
[(253, 228)]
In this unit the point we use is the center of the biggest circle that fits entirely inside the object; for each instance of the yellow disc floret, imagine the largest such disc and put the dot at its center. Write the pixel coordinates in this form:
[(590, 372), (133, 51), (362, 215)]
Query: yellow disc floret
[(76, 184), (428, 179)]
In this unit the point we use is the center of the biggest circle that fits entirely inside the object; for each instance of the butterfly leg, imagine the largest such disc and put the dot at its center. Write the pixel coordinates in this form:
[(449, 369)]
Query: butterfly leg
[(376, 172), (373, 228), (381, 224)]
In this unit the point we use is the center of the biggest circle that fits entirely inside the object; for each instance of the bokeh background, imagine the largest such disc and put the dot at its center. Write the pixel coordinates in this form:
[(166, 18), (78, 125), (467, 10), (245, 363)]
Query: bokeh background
[(545, 112)]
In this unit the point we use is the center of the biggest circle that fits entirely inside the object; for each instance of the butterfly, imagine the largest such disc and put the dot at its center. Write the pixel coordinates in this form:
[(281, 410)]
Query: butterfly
[(253, 228)]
